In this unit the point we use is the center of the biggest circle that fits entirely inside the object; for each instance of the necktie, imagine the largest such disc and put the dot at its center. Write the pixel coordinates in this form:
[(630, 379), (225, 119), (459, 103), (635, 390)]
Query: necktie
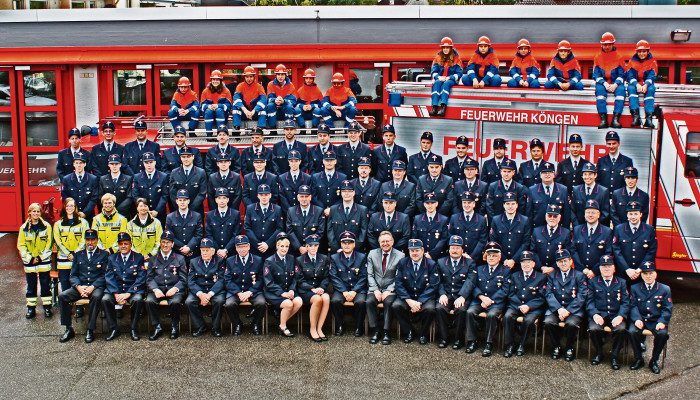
[(454, 265), (183, 216), (498, 164), (575, 165), (141, 146), (537, 166), (187, 172), (649, 288), (546, 188), (384, 258), (259, 177), (323, 150), (150, 176), (124, 259), (363, 183), (347, 210), (527, 276), (510, 221), (353, 148), (165, 258), (257, 151), (588, 190), (551, 231), (634, 230), (467, 218), (313, 260), (469, 186), (629, 194), (564, 276), (396, 186), (490, 270), (80, 179), (415, 267), (223, 214), (613, 160), (388, 219), (607, 282), (109, 147), (303, 213), (506, 187), (89, 255), (75, 154), (430, 220), (590, 232), (425, 156), (294, 179), (264, 210), (329, 177), (114, 180), (290, 147)]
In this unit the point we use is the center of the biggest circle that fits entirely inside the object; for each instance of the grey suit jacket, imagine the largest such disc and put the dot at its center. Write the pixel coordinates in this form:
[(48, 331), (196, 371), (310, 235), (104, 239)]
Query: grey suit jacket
[(378, 280)]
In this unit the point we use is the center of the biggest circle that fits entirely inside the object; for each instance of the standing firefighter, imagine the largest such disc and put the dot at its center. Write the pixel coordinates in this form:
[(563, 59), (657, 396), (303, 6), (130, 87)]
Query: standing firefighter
[(34, 244)]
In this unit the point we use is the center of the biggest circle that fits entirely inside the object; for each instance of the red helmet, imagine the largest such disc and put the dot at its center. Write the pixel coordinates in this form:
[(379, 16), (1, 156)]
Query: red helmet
[(642, 45), (446, 42), (280, 69), (564, 45), (484, 40), (309, 73), (216, 74), (524, 43), (607, 38), (249, 70), (183, 81), (338, 78)]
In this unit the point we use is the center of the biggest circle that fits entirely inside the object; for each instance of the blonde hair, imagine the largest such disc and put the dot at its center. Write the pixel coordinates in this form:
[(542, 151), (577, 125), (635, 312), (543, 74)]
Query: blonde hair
[(32, 207), (108, 196)]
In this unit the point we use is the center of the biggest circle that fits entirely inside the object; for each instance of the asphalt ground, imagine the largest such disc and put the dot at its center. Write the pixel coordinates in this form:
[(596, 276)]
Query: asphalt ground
[(34, 365)]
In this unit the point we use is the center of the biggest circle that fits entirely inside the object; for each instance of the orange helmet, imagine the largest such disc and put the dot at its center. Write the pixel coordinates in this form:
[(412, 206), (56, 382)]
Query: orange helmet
[(446, 42), (564, 45), (523, 43), (216, 74), (607, 38), (642, 45), (309, 73), (249, 70), (338, 78), (183, 81), (280, 69), (484, 40)]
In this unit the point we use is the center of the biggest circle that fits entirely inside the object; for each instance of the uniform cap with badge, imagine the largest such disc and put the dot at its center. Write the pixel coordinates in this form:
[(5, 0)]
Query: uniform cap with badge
[(427, 135), (389, 196), (259, 157), (329, 155), (456, 240), (415, 244), (90, 234), (536, 143), (289, 124), (508, 164), (529, 256), (241, 240), (575, 138), (509, 196), (220, 191), (472, 196), (354, 126), (589, 167), (182, 194), (108, 125), (430, 198), (592, 204), (312, 240), (304, 190), (546, 167), (612, 135), (347, 236), (562, 254), (631, 172), (499, 143), (434, 160), (186, 151), (114, 159), (179, 130), (206, 243), (634, 206), (323, 128), (264, 189), (347, 185), (388, 128), (462, 140), (148, 156), (140, 125), (471, 163), (364, 162), (648, 266), (554, 209), (294, 155), (222, 128), (123, 237), (80, 156), (168, 235), (74, 132), (607, 259), (492, 247), (398, 165)]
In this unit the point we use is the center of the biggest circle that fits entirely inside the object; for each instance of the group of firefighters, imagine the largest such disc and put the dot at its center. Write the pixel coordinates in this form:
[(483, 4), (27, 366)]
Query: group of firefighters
[(250, 101), (331, 225), (611, 73)]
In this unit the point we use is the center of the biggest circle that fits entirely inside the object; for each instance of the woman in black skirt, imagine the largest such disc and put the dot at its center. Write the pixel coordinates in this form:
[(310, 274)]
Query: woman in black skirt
[(312, 285), (280, 284)]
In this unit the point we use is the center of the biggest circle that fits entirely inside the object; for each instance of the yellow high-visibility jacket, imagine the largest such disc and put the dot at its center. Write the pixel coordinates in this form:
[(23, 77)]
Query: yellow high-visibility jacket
[(68, 239), (145, 238), (107, 230), (35, 243)]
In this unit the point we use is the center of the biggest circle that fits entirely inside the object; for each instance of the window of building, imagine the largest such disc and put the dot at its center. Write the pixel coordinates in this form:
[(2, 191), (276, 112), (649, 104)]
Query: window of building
[(40, 88)]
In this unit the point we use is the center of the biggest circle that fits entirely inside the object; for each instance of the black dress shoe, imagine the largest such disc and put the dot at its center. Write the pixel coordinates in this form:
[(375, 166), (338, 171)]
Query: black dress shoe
[(216, 333), (423, 340), (89, 336), (637, 364), (324, 338), (315, 339), (199, 332), (374, 338), (67, 335), (135, 335), (654, 367), (569, 354), (520, 351), (458, 344), (31, 313), (339, 330), (471, 346), (48, 312), (256, 330), (409, 337), (237, 330), (386, 340), (488, 350), (614, 364), (113, 335), (286, 332), (174, 333), (79, 311), (358, 332), (508, 353), (597, 359), (157, 331), (442, 344), (556, 353)]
